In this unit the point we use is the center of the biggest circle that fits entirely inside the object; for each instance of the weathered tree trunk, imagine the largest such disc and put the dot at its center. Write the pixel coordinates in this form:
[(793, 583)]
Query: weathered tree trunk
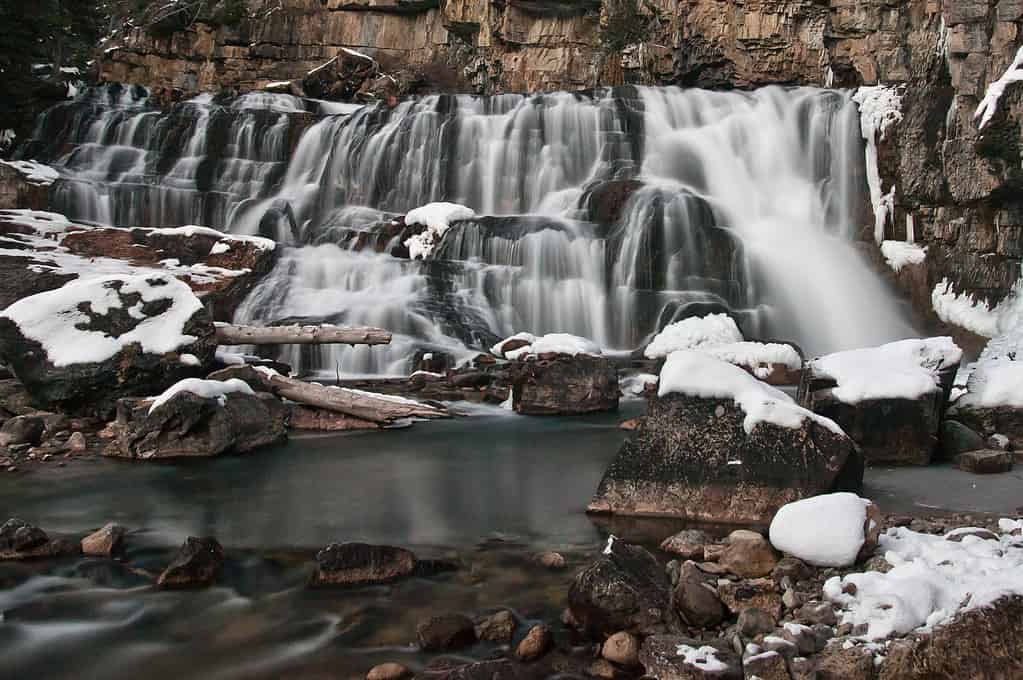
[(230, 334), (372, 407)]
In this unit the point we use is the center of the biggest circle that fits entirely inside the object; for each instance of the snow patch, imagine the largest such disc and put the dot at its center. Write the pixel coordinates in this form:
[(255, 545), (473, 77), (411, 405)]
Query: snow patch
[(498, 349), (932, 580), (989, 104), (963, 310), (826, 531), (552, 343), (220, 247), (994, 383), (898, 254), (699, 375), (259, 242), (437, 218), (694, 333), (53, 318), (189, 360), (34, 172), (758, 357), (705, 658), (208, 389), (907, 369), (880, 108)]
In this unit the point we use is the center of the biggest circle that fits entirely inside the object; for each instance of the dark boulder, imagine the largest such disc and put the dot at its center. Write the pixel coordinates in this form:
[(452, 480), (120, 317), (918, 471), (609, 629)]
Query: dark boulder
[(623, 589), (278, 223), (22, 430), (445, 632), (691, 458), (20, 540), (360, 564), (985, 462), (956, 438), (191, 425), (197, 564), (136, 313), (990, 420), (565, 385)]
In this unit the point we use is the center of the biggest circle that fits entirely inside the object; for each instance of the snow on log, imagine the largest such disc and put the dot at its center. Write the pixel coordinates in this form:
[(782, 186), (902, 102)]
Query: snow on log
[(230, 334)]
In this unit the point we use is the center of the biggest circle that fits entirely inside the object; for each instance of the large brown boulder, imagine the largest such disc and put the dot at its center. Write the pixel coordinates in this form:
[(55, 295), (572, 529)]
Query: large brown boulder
[(82, 347), (565, 385), (980, 643), (189, 424), (691, 458)]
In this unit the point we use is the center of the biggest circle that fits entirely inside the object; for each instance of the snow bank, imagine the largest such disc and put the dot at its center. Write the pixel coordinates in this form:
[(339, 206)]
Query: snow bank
[(40, 221), (880, 108), (209, 389), (907, 369), (994, 383), (931, 581), (961, 309), (53, 318), (826, 531), (698, 375), (989, 104), (898, 254), (694, 333), (552, 343), (635, 385), (437, 217), (34, 172)]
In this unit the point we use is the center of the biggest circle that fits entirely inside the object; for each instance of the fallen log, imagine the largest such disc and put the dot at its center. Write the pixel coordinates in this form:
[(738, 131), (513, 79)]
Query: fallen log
[(232, 334), (376, 408)]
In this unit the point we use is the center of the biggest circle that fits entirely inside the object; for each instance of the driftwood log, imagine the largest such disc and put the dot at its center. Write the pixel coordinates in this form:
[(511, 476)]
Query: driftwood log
[(376, 408), (231, 334)]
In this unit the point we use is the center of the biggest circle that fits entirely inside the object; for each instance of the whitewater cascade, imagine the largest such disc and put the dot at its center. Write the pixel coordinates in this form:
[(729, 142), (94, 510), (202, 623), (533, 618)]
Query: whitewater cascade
[(605, 216)]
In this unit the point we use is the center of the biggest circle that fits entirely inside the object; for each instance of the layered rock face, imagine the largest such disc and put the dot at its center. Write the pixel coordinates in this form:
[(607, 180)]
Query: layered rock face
[(954, 187)]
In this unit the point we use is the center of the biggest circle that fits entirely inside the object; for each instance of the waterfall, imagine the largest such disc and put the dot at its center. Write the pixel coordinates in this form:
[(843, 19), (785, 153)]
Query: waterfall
[(605, 216)]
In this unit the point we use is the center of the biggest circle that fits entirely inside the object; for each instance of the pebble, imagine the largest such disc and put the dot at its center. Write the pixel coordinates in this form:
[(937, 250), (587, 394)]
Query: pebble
[(622, 648)]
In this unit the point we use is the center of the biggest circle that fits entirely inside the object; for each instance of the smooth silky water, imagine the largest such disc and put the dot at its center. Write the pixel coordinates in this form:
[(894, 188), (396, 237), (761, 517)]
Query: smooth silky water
[(748, 202)]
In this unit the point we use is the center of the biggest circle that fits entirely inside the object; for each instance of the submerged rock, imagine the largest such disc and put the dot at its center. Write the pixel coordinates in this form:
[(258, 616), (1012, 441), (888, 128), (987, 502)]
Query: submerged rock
[(359, 564), (197, 564), (188, 424), (445, 632), (624, 589), (20, 540), (985, 461), (389, 671), (497, 627), (565, 385)]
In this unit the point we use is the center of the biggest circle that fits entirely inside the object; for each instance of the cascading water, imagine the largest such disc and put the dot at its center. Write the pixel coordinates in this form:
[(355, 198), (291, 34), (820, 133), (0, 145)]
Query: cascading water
[(606, 217)]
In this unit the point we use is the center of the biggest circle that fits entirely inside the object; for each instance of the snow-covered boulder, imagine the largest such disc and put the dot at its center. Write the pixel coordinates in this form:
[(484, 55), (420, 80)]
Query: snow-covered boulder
[(199, 418), (718, 445), (81, 347), (718, 335), (25, 184), (993, 402), (833, 530), (436, 219), (526, 346), (889, 399)]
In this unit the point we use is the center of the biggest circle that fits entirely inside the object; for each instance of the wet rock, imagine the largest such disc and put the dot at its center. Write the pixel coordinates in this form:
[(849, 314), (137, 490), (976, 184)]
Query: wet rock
[(621, 648), (93, 387), (499, 627), (760, 593), (696, 600), (754, 622), (623, 589), (359, 564), (445, 632), (748, 555), (18, 536), (956, 438), (535, 644), (687, 544), (551, 560), (565, 385), (389, 671), (191, 425), (986, 462), (104, 542), (677, 464), (22, 430), (197, 564), (766, 666), (661, 659), (76, 442)]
